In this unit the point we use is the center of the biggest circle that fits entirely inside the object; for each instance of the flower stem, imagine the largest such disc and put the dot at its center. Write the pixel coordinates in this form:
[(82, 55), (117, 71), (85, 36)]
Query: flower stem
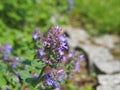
[(39, 77)]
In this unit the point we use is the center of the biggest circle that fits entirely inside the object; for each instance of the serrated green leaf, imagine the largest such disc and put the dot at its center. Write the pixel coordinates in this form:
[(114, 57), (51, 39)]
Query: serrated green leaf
[(25, 74)]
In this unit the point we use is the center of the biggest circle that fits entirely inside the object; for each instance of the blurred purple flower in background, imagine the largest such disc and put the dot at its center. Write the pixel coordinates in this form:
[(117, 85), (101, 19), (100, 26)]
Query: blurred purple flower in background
[(14, 65), (71, 4), (6, 57), (8, 48), (77, 66)]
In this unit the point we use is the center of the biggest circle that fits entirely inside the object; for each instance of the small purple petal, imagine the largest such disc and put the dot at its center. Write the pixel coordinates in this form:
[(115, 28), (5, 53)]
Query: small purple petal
[(6, 58), (49, 82), (35, 35), (47, 76), (60, 78), (58, 28), (61, 71), (60, 75), (62, 38), (14, 65), (55, 84), (41, 53), (82, 57), (64, 58), (70, 54), (60, 51)]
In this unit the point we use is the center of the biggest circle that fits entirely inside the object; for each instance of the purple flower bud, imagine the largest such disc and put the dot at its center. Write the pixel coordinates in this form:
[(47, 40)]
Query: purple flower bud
[(56, 85), (6, 57), (62, 38), (49, 82), (35, 35), (47, 76), (60, 75), (63, 44), (58, 28), (60, 78), (61, 71), (64, 58), (8, 48), (57, 88), (60, 51), (41, 53), (70, 54), (35, 75), (77, 66), (82, 57), (14, 65)]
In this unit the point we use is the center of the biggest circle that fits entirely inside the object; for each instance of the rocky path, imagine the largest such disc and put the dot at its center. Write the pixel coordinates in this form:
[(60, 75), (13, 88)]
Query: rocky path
[(104, 56)]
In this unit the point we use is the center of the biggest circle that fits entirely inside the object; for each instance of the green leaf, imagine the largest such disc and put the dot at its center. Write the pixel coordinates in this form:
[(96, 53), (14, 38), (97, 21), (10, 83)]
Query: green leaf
[(2, 81), (39, 45), (35, 63), (3, 68), (25, 74), (52, 57), (1, 6), (27, 62)]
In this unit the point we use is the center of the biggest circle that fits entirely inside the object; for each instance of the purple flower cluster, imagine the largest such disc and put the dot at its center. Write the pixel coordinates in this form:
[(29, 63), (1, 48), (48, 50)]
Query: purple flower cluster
[(73, 63), (53, 44), (6, 52), (52, 78)]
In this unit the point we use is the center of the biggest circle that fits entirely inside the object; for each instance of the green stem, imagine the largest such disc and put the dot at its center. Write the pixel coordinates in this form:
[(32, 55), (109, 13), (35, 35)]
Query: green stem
[(39, 77)]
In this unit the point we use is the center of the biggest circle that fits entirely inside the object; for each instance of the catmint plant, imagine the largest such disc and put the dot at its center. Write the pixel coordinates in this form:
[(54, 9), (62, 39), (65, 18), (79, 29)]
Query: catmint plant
[(52, 49)]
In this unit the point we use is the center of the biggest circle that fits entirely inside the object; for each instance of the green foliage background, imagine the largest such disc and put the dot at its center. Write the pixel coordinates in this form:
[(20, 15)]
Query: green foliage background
[(19, 18), (22, 16), (101, 15)]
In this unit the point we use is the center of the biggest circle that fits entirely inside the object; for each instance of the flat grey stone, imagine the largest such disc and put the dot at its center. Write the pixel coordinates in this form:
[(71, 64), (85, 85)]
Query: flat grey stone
[(108, 41), (108, 67), (104, 87), (97, 53), (102, 58), (109, 80), (77, 35)]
